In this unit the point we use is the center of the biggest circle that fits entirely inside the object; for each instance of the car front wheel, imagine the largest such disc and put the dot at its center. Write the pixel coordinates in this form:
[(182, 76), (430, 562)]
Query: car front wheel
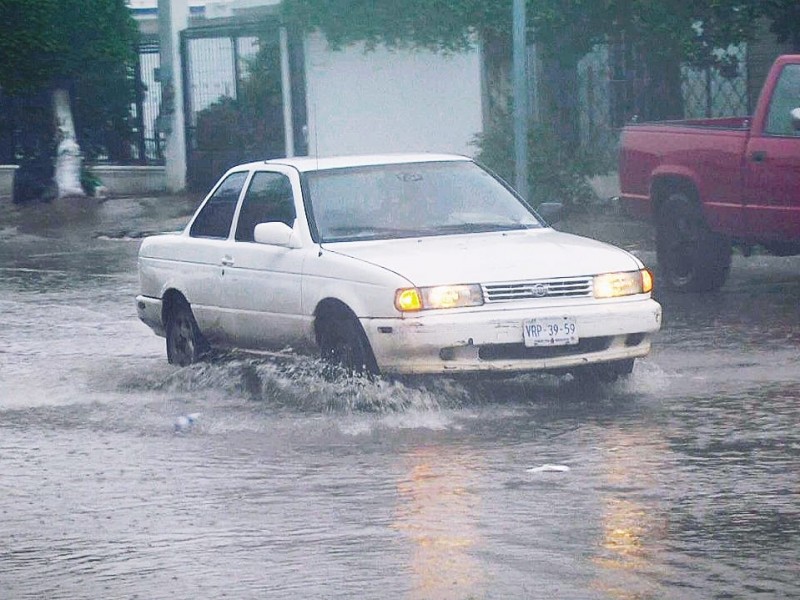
[(343, 342)]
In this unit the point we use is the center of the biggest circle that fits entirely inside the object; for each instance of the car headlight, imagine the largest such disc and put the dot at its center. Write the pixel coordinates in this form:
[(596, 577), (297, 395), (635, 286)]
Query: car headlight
[(613, 285), (439, 296)]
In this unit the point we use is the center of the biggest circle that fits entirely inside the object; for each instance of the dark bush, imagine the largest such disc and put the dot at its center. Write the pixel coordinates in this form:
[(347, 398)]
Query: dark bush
[(555, 173)]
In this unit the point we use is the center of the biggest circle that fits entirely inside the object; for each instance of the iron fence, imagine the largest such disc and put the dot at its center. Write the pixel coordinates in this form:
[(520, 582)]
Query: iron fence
[(149, 147), (717, 91), (233, 95), (614, 89)]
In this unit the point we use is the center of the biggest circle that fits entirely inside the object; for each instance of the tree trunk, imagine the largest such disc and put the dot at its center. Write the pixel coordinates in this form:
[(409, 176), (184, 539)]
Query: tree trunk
[(68, 154)]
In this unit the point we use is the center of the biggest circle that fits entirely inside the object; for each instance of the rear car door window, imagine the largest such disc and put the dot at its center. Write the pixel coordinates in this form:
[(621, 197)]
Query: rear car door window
[(268, 199), (215, 218)]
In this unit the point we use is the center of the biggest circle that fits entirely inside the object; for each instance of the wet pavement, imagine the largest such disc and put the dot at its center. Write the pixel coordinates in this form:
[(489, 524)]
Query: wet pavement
[(124, 477)]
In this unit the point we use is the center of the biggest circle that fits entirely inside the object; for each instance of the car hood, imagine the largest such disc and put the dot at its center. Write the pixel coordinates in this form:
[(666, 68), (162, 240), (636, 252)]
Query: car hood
[(488, 257)]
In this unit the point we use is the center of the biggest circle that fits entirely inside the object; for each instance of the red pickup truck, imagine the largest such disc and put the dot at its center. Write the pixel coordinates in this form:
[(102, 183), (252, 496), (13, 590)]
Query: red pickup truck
[(709, 184)]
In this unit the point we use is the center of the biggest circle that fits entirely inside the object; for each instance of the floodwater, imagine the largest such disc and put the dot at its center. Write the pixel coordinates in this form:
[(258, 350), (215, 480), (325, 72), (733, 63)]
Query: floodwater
[(124, 477)]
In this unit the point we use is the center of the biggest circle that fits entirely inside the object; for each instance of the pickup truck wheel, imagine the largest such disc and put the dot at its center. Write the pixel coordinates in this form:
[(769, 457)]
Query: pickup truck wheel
[(343, 342), (185, 343), (692, 258)]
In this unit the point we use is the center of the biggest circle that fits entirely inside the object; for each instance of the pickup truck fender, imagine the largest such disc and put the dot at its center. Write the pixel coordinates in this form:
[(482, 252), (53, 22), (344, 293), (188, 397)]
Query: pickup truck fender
[(719, 216), (666, 176)]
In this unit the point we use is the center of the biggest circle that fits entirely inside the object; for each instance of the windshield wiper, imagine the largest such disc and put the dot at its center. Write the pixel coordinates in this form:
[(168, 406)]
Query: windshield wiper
[(366, 233), (479, 227)]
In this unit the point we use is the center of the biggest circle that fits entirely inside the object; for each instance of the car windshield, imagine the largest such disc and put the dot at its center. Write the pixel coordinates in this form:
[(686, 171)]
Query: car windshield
[(412, 200)]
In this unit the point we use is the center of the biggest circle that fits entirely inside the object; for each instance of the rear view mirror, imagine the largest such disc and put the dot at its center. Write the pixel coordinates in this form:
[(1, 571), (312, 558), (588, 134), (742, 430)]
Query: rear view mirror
[(795, 119), (275, 233)]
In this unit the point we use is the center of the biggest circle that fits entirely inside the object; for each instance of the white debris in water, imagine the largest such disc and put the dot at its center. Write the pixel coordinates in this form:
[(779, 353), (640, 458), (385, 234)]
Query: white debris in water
[(549, 469), (186, 422)]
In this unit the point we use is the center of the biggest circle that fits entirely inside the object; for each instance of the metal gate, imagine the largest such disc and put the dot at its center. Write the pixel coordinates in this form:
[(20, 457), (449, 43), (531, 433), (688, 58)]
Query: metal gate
[(148, 149), (234, 96)]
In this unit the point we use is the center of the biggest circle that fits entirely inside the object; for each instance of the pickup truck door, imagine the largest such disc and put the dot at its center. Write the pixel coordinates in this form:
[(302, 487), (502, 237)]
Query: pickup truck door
[(261, 282), (772, 163)]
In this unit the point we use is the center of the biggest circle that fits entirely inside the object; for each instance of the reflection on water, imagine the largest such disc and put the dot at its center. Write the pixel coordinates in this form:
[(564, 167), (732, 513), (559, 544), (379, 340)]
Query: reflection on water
[(438, 511), (633, 529)]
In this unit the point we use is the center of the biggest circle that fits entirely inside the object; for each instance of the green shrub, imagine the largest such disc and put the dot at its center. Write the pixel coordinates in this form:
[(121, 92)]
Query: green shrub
[(555, 172)]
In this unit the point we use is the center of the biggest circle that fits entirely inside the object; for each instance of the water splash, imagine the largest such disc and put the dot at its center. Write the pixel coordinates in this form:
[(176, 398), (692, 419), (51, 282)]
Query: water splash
[(307, 385)]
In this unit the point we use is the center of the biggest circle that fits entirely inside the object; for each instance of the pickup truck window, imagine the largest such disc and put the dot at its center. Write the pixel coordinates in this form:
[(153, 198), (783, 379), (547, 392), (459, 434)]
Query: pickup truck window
[(215, 218), (785, 98), (268, 199)]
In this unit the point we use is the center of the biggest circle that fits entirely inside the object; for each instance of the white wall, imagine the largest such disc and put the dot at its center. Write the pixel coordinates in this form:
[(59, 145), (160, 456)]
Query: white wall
[(391, 101)]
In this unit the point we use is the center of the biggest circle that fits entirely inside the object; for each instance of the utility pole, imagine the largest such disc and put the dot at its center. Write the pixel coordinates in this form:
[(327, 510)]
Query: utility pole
[(173, 17), (520, 85)]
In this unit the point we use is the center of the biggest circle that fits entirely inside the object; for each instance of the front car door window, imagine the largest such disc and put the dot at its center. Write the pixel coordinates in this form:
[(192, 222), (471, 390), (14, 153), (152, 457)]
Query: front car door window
[(785, 98), (215, 218), (268, 199)]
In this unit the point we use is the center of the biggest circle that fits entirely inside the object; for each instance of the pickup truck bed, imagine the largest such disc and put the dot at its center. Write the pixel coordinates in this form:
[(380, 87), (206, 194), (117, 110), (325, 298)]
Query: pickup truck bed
[(711, 183)]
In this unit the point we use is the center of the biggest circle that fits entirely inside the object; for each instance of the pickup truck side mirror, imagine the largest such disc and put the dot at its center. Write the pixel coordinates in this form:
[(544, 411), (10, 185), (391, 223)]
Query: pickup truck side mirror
[(551, 212), (795, 118), (275, 233)]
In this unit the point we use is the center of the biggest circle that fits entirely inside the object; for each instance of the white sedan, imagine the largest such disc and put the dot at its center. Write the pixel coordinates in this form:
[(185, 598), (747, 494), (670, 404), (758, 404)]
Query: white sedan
[(397, 264)]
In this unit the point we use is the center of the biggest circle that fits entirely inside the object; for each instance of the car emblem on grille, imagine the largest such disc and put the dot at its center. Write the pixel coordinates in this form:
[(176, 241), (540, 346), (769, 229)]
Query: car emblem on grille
[(539, 290)]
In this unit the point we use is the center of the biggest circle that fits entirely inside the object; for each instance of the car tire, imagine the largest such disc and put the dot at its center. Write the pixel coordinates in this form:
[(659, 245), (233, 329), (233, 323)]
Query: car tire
[(343, 343), (185, 343), (691, 257)]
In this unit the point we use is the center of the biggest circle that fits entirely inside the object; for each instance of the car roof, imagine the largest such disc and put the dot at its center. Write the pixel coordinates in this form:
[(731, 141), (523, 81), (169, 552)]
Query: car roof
[(313, 163)]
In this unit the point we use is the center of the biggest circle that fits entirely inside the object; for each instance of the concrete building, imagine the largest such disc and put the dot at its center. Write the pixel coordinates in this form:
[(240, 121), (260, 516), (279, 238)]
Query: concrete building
[(346, 101)]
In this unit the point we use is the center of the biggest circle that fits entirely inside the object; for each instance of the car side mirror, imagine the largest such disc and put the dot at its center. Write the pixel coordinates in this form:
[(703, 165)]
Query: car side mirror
[(550, 211), (275, 233), (795, 118)]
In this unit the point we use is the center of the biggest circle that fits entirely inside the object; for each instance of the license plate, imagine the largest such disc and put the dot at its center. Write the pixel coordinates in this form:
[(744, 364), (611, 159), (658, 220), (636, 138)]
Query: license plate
[(561, 331)]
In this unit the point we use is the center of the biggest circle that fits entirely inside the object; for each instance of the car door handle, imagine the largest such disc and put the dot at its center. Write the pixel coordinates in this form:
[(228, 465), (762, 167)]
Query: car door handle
[(758, 156), (227, 261)]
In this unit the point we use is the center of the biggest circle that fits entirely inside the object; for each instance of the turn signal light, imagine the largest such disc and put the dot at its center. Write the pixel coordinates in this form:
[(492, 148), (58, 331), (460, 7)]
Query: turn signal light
[(647, 281), (408, 300)]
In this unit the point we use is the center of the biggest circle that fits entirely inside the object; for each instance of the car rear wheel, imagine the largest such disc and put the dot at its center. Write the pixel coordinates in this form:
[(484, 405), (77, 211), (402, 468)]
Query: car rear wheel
[(343, 342), (691, 257), (185, 343)]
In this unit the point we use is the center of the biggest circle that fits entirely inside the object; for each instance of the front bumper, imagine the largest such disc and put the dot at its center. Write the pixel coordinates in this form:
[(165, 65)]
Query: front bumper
[(491, 339), (149, 311)]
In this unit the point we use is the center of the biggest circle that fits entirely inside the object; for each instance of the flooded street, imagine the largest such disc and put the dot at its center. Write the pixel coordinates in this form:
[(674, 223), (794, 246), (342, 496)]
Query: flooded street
[(124, 477)]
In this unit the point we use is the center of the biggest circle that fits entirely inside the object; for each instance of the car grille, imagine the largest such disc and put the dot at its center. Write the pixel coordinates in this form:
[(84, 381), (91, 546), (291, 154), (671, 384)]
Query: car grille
[(576, 287)]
